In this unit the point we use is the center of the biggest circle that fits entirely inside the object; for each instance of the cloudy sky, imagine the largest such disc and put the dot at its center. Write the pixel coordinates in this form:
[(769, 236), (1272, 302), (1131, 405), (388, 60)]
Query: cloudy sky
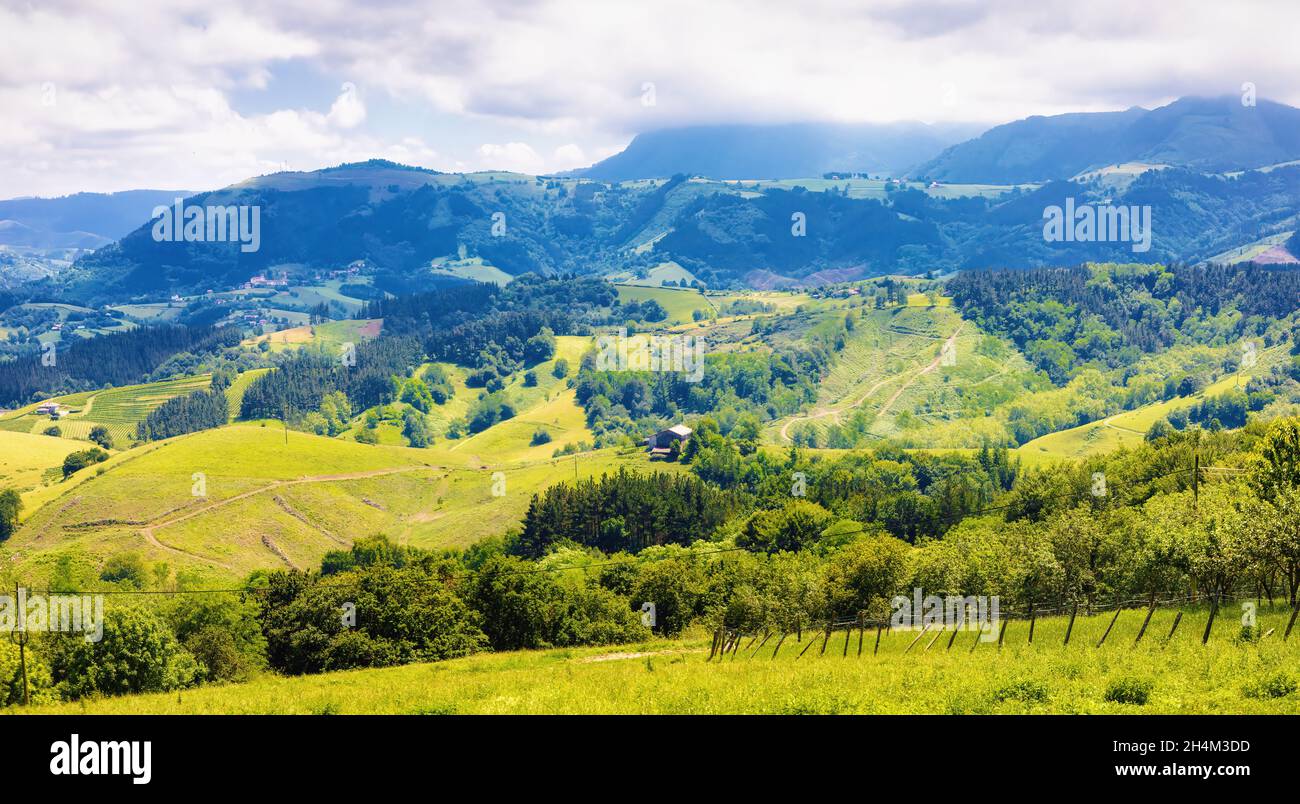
[(179, 94)]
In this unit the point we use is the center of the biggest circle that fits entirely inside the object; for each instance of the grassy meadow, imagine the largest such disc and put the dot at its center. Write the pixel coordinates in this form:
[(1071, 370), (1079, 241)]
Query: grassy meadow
[(1157, 675)]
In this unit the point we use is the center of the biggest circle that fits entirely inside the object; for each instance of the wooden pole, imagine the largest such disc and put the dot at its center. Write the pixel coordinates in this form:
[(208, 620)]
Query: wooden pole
[(1214, 609), (811, 642), (761, 644), (1178, 618), (1291, 624), (953, 638), (933, 639), (1112, 625), (1003, 632), (21, 639), (879, 630), (918, 638), (1069, 628), (829, 627), (862, 627), (713, 649), (778, 644), (1033, 617), (1147, 621)]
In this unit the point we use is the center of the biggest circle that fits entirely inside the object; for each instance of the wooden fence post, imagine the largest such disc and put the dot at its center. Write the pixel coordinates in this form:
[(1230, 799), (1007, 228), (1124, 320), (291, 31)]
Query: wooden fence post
[(811, 642), (1214, 609), (1002, 633), (1291, 624), (1147, 621), (918, 638), (955, 629), (766, 637), (778, 643), (880, 629), (862, 627), (713, 649), (1070, 628), (829, 627), (1033, 618), (933, 639), (1178, 618), (1112, 625)]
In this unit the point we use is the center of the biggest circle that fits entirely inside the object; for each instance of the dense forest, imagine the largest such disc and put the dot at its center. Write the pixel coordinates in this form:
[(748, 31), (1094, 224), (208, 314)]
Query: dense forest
[(201, 410), (122, 358), (1106, 316)]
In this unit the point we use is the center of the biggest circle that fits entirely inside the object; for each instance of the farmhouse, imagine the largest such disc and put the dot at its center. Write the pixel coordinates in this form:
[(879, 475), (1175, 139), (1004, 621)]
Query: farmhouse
[(661, 442), (50, 409)]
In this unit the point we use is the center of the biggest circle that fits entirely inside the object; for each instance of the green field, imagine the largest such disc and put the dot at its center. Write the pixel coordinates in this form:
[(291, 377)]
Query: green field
[(272, 500), (662, 677), (680, 304), (118, 409)]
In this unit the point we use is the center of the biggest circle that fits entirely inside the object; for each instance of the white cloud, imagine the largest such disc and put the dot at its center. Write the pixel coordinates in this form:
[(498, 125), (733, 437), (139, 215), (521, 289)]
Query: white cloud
[(517, 156), (347, 111), (147, 93)]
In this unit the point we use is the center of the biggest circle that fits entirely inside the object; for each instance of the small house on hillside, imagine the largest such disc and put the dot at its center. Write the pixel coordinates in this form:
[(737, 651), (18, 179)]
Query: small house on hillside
[(49, 409), (661, 442)]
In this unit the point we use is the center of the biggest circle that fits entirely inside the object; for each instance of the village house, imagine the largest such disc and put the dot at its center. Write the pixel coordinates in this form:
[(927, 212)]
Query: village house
[(661, 442)]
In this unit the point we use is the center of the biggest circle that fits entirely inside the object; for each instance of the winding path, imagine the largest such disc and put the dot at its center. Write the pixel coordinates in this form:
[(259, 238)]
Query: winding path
[(823, 413), (148, 530)]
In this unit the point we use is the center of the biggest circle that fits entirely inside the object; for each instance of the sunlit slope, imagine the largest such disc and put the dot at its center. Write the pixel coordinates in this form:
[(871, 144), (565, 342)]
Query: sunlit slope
[(221, 503), (27, 460)]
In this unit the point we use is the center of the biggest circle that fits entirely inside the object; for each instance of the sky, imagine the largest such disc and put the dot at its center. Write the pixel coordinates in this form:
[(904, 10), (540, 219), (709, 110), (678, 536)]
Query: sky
[(178, 94)]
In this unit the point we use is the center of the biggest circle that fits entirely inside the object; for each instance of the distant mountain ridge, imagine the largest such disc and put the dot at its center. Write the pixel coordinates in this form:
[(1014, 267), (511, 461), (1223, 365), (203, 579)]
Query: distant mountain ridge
[(794, 150), (81, 220), (1214, 135)]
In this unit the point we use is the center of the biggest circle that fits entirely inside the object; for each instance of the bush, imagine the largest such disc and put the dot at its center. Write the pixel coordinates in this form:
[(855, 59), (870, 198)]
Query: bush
[(100, 435), (77, 461), (367, 436), (124, 568), (1278, 685), (370, 617), (40, 686), (11, 507), (1134, 691), (53, 430), (675, 587), (138, 653), (561, 369), (540, 436), (1025, 690), (223, 633), (522, 608)]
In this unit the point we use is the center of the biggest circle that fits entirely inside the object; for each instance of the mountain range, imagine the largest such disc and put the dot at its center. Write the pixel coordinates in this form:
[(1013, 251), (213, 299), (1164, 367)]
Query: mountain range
[(1215, 135), (793, 150), (412, 227), (78, 221)]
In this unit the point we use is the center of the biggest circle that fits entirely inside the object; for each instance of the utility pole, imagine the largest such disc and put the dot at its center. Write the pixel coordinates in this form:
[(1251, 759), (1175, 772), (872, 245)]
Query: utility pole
[(19, 636), (1196, 481)]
